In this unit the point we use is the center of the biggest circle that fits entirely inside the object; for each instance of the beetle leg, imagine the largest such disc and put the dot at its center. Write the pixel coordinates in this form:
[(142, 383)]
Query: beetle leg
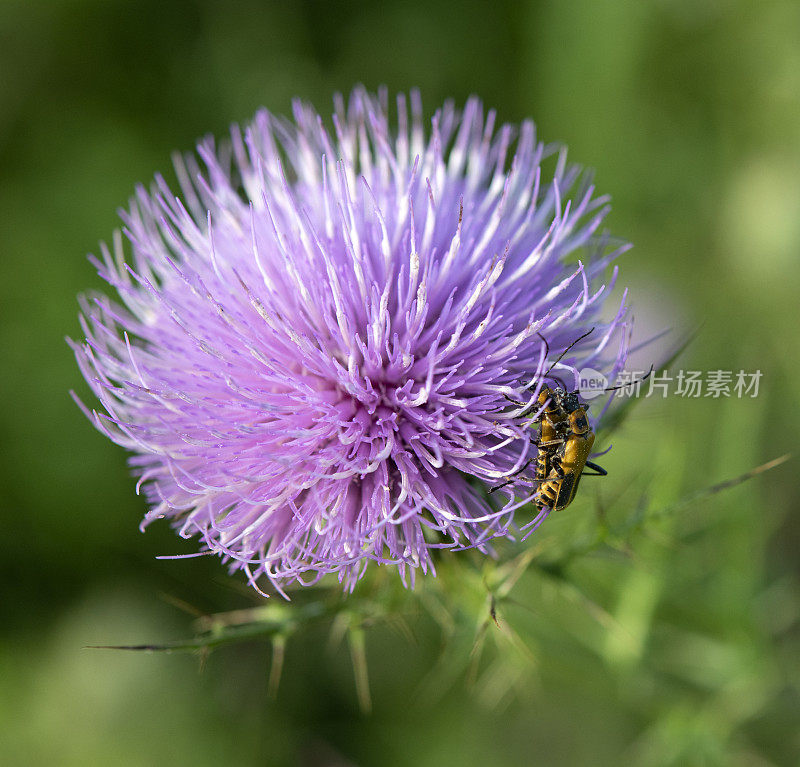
[(601, 472), (527, 411), (549, 443), (513, 474)]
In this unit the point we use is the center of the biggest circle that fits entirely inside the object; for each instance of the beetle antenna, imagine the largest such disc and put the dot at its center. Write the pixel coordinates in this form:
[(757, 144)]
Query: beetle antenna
[(546, 345), (546, 355), (631, 383), (563, 354)]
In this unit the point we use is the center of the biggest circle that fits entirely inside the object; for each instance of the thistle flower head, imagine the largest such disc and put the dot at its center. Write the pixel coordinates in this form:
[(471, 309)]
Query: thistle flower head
[(315, 344)]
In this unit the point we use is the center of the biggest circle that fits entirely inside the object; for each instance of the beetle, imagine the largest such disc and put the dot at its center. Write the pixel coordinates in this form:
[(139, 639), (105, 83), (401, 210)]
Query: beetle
[(564, 444), (568, 454)]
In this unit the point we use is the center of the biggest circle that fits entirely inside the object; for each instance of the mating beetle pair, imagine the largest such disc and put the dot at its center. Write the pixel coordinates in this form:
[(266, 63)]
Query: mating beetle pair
[(564, 444)]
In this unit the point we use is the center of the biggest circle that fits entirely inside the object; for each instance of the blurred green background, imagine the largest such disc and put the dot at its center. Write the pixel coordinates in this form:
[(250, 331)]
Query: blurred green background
[(685, 652)]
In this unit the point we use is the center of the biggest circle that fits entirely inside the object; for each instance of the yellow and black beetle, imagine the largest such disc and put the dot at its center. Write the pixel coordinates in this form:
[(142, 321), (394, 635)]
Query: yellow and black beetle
[(566, 450), (564, 444)]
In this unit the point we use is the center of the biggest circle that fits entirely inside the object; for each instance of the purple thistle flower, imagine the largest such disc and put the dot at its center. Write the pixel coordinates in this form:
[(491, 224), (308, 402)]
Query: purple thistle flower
[(316, 344)]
